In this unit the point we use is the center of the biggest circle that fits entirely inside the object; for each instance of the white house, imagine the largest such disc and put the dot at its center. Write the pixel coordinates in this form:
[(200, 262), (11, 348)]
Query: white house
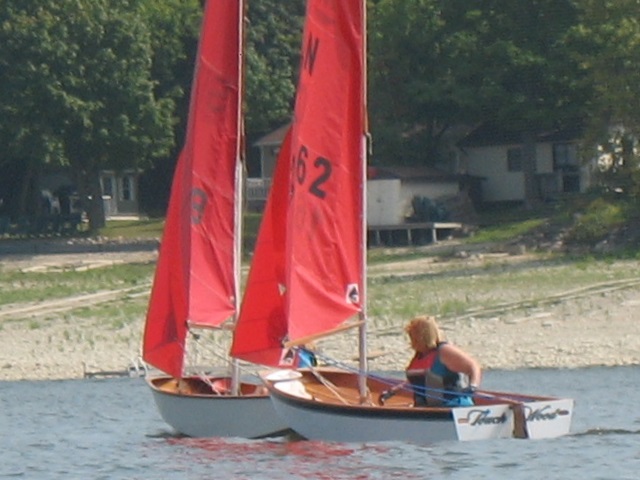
[(496, 156), (269, 146), (120, 191), (390, 190)]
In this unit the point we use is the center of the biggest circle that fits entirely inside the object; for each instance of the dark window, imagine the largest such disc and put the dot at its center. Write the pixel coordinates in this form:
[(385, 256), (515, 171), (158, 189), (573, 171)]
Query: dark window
[(107, 186), (126, 193), (565, 157)]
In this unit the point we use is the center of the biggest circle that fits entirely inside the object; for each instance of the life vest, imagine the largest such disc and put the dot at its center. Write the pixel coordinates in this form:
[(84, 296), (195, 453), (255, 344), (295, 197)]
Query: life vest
[(306, 358), (431, 379)]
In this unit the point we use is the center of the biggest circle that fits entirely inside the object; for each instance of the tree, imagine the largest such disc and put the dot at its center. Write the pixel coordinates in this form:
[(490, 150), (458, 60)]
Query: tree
[(175, 28), (27, 128), (438, 63), (274, 35), (78, 81), (607, 44), (424, 76), (539, 85)]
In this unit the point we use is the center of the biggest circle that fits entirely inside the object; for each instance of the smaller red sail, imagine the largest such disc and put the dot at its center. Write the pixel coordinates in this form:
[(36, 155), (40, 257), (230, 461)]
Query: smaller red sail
[(261, 326), (195, 280)]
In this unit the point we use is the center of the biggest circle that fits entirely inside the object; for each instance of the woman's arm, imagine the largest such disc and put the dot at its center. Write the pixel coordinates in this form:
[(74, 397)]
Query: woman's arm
[(459, 361)]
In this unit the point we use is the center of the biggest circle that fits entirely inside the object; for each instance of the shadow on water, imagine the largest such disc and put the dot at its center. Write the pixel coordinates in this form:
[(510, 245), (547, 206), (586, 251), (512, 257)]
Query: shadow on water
[(601, 432)]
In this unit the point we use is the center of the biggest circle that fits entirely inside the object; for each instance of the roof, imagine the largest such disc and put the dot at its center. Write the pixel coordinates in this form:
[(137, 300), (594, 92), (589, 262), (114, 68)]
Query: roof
[(410, 173), (275, 137), (489, 134)]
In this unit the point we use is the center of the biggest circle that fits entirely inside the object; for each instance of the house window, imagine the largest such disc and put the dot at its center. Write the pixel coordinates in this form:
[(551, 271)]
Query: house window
[(565, 157), (107, 186), (565, 161), (514, 160), (127, 188)]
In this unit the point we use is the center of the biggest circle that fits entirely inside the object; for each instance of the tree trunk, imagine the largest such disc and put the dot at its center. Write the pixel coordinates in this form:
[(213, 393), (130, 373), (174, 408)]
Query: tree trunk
[(529, 170), (25, 193), (95, 210)]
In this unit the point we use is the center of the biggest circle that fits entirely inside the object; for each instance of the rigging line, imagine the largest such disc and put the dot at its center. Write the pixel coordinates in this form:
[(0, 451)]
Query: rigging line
[(330, 386), (212, 351), (430, 392)]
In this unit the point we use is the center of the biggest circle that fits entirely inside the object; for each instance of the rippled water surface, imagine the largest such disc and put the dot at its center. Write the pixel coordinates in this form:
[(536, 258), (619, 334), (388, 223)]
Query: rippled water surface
[(110, 429)]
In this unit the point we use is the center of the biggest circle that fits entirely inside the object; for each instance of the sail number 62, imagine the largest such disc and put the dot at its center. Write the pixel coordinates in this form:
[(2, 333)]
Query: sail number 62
[(320, 174)]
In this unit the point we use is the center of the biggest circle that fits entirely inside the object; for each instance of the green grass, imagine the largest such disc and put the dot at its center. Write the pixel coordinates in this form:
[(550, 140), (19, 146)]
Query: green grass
[(151, 228), (507, 231), (18, 286), (456, 288), (597, 221), (450, 291), (587, 219), (460, 288)]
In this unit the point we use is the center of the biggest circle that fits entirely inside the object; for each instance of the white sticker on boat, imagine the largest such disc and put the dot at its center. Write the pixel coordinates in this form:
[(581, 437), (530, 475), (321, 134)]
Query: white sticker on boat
[(483, 422), (548, 418), (544, 419)]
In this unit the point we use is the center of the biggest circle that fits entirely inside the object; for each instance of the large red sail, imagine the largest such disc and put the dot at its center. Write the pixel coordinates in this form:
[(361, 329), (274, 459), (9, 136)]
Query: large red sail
[(324, 231), (261, 324), (195, 276), (312, 282)]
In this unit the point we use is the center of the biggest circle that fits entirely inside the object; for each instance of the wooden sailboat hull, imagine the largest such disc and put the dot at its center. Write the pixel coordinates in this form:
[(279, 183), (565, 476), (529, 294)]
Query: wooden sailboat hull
[(334, 413), (191, 408)]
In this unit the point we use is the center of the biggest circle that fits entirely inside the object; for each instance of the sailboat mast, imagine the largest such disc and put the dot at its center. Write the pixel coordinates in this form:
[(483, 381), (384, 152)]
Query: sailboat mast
[(238, 191), (362, 329)]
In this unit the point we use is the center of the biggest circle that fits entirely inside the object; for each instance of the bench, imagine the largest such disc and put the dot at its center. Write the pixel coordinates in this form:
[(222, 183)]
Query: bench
[(432, 227)]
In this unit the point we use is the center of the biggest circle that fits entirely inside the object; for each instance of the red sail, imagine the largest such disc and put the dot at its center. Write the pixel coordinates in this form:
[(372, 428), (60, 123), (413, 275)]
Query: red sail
[(324, 232), (261, 324), (195, 280), (312, 282)]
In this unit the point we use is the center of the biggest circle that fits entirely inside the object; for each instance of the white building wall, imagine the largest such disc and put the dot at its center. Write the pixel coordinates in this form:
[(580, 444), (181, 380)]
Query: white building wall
[(384, 205), (389, 200), (490, 163), (432, 191)]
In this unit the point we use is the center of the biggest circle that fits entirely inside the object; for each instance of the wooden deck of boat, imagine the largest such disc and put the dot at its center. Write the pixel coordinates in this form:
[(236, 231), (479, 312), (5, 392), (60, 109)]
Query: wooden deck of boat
[(348, 395)]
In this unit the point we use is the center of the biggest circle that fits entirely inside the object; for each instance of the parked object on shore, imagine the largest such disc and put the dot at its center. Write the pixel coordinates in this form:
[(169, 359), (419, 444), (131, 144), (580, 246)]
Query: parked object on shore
[(196, 283), (313, 282)]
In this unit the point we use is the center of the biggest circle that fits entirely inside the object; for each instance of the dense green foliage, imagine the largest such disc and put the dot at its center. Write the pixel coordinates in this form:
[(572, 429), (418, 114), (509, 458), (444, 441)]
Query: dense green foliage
[(274, 32), (104, 84), (77, 90), (454, 62)]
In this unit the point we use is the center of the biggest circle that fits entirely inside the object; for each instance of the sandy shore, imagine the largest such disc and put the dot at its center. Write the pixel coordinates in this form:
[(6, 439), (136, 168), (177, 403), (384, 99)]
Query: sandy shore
[(592, 330)]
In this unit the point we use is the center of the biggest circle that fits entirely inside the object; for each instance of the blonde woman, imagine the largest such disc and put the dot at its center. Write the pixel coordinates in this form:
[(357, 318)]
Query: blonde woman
[(440, 374)]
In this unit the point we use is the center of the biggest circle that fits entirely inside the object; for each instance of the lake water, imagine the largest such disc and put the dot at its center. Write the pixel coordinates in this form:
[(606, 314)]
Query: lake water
[(110, 429)]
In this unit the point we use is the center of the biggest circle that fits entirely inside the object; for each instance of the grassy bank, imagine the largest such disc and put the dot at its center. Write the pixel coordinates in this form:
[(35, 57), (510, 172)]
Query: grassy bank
[(402, 281), (397, 289)]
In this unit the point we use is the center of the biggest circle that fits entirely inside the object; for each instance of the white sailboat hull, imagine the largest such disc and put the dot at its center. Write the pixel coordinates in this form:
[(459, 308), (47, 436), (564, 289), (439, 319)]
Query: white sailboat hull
[(307, 407), (207, 414)]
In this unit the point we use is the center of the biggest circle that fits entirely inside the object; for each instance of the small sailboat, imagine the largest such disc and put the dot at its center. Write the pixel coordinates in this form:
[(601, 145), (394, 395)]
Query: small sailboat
[(196, 283), (312, 281)]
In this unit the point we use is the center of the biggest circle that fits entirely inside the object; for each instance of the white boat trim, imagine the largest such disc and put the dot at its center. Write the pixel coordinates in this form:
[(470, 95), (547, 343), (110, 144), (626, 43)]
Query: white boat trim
[(207, 414), (334, 420)]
